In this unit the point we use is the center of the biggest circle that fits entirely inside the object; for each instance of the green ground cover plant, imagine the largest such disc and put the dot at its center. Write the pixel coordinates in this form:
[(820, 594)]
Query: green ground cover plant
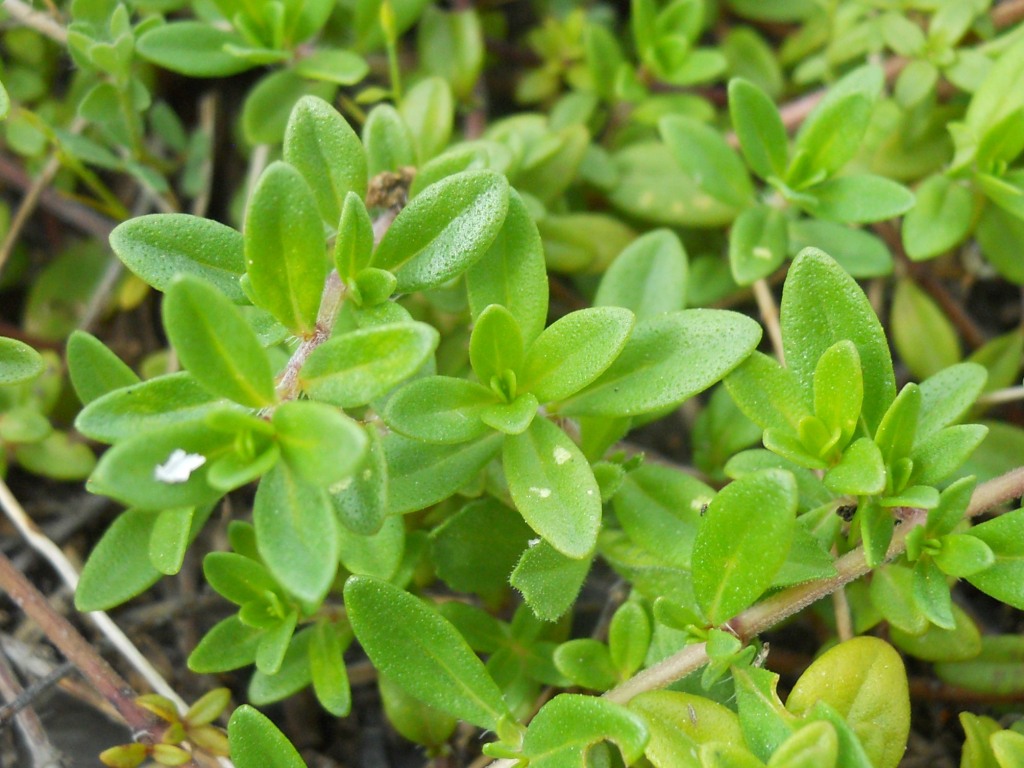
[(467, 314)]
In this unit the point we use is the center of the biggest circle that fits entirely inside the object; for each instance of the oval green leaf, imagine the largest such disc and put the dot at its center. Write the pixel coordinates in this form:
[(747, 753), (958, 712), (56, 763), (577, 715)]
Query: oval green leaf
[(216, 344), (743, 541), (422, 652), (285, 249)]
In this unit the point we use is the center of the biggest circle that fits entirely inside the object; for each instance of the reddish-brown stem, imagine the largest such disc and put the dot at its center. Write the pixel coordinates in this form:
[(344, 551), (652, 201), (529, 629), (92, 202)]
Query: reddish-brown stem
[(76, 649)]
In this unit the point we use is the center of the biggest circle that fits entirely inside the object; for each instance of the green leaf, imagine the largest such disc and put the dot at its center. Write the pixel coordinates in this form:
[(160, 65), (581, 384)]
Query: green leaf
[(768, 394), (733, 563), (816, 745), (939, 220), (977, 752), (659, 508), (257, 743), (863, 679), (170, 538), (362, 501), (193, 48), (162, 469), (653, 188), (859, 199), (293, 675), (119, 567), (161, 246), (759, 128), (998, 96), (947, 395), (667, 359), (999, 234), (860, 471), (429, 110), (1003, 580), (561, 733), (318, 442), (922, 334), (147, 405), (512, 272), (332, 65), (815, 280), (892, 595), (574, 351), (629, 638), (269, 103), (353, 248), (961, 643), (330, 678), (297, 533), (758, 243), (389, 143), (379, 554), (18, 362), (648, 277), (701, 152), (963, 555), (422, 652), (328, 154), (997, 669), (832, 134), (439, 409), (895, 434), (1006, 191), (476, 549), (586, 663), (275, 642), (284, 248), (496, 344), (238, 578), (860, 253), (216, 345), (1008, 747), (228, 645), (839, 390), (583, 242), (548, 580), (941, 454), (5, 102), (444, 230), (413, 719), (451, 44), (931, 594), (511, 418), (420, 474), (679, 723), (94, 369), (359, 366), (553, 487)]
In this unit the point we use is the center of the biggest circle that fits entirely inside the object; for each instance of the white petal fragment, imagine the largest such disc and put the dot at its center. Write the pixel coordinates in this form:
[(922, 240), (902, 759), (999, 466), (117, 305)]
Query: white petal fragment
[(178, 467)]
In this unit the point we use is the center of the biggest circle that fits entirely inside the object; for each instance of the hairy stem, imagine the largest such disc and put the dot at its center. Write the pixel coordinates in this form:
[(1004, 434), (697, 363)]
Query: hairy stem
[(784, 604)]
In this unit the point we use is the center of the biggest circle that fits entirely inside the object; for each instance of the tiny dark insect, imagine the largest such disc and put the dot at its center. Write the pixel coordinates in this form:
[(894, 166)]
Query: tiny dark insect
[(703, 509), (847, 511)]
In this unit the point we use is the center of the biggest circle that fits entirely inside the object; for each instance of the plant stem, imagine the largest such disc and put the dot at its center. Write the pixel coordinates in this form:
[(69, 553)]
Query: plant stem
[(53, 554), (76, 649), (330, 304), (784, 604), (1008, 395), (36, 20), (770, 317)]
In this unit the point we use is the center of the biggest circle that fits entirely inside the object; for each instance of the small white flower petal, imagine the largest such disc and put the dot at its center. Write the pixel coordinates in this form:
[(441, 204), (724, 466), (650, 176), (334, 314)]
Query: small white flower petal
[(178, 467)]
